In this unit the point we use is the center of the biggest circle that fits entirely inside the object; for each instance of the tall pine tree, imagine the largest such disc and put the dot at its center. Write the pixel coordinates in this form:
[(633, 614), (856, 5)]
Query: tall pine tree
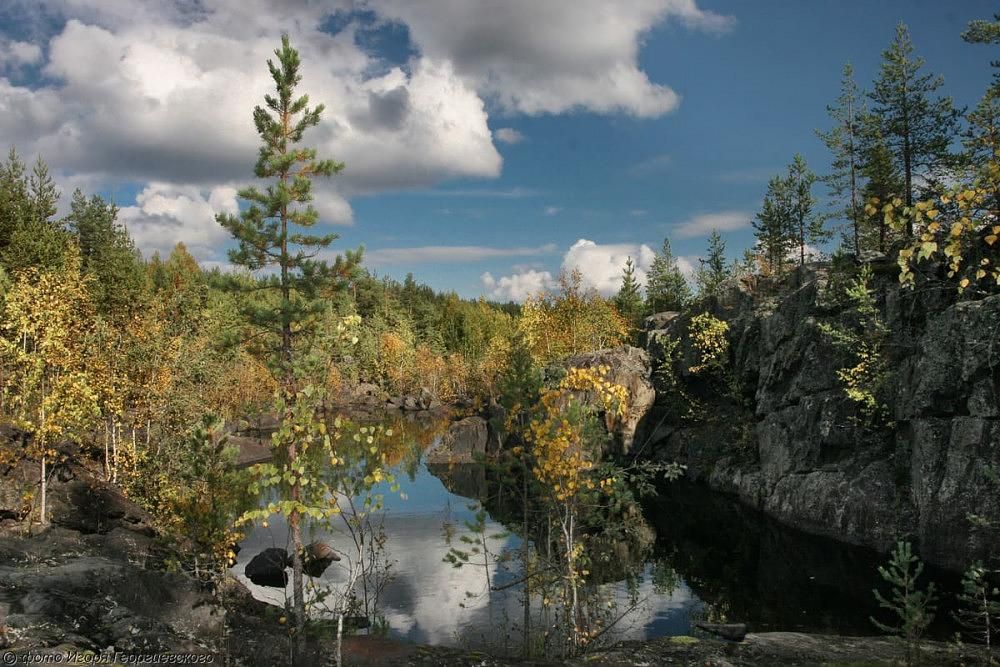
[(772, 226), (628, 301), (806, 225), (917, 125), (712, 270), (883, 182), (844, 140), (666, 287), (272, 232)]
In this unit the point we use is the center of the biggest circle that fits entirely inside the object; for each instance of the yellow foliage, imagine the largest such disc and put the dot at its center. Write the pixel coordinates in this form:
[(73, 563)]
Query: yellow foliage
[(561, 463), (708, 336), (964, 235), (570, 321)]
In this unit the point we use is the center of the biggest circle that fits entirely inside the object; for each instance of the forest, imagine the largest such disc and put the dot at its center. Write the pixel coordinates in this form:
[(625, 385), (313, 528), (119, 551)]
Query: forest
[(149, 371)]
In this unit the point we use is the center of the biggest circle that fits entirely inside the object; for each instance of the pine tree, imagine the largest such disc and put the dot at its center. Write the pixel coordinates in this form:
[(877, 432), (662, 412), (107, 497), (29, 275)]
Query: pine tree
[(807, 226), (913, 607), (666, 287), (917, 126), (980, 610), (43, 193), (628, 301), (108, 254), (845, 143), (982, 142), (982, 31), (773, 226), (268, 235), (883, 183), (712, 270), (28, 236)]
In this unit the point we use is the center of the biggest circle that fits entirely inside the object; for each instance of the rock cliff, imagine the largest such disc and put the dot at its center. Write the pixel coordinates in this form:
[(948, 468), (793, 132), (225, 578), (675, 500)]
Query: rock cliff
[(784, 437)]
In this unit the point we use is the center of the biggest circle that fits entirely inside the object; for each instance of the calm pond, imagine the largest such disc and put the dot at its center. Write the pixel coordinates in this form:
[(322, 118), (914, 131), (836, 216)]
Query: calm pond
[(713, 559)]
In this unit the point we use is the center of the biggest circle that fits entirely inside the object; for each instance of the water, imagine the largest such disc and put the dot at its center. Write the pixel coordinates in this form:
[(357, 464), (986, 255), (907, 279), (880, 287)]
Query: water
[(729, 563)]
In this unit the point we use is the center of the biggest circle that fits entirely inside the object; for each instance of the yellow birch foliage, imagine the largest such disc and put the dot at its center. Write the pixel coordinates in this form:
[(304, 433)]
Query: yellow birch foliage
[(561, 461), (46, 388), (959, 227), (570, 321)]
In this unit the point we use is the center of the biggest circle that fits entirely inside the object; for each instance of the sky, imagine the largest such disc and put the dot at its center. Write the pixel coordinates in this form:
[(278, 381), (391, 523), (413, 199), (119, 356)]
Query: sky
[(488, 145)]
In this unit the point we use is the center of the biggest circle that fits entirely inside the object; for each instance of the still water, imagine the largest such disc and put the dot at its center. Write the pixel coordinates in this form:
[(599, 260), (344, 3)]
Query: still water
[(727, 563)]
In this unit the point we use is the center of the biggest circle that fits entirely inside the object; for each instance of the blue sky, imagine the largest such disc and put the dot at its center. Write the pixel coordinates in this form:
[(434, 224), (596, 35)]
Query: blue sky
[(426, 189)]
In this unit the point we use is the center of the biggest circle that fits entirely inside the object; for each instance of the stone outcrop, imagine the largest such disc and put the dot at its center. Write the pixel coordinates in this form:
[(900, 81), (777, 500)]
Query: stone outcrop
[(629, 367), (463, 442), (784, 437)]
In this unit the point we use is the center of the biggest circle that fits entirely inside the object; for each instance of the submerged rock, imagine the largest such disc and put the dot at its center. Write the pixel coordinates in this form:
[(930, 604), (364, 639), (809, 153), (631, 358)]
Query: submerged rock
[(268, 568), (317, 557)]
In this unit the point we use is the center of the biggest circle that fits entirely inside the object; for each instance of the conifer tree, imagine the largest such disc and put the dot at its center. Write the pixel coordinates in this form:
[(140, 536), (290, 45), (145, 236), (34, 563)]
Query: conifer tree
[(28, 236), (844, 141), (628, 301), (883, 182), (666, 287), (108, 254), (773, 226), (982, 31), (918, 126), (272, 232), (806, 225), (712, 269)]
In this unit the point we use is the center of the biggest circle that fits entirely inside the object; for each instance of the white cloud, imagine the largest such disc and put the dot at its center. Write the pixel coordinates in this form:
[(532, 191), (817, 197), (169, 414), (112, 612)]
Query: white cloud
[(165, 215), (160, 92), (552, 210), (551, 57), (449, 254), (600, 267), (517, 287), (722, 221), (14, 54), (508, 135), (688, 264)]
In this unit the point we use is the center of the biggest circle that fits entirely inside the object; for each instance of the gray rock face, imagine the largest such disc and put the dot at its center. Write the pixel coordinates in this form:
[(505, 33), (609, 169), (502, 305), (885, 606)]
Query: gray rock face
[(463, 442), (629, 367), (809, 461)]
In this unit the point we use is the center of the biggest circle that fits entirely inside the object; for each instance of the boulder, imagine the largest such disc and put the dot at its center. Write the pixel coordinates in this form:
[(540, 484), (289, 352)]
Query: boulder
[(316, 557), (659, 320), (629, 367), (734, 632), (365, 392), (268, 568)]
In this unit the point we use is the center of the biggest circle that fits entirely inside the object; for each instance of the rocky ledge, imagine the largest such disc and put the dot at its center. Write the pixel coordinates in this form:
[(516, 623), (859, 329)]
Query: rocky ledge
[(782, 435)]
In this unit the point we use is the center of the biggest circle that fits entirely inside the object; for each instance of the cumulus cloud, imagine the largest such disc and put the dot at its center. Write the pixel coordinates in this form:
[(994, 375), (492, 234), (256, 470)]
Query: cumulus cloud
[(600, 267), (554, 56), (508, 135), (14, 54), (722, 221), (517, 287), (160, 92), (166, 214)]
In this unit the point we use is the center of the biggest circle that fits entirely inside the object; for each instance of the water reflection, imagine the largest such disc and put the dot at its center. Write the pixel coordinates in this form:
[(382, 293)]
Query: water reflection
[(724, 562)]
